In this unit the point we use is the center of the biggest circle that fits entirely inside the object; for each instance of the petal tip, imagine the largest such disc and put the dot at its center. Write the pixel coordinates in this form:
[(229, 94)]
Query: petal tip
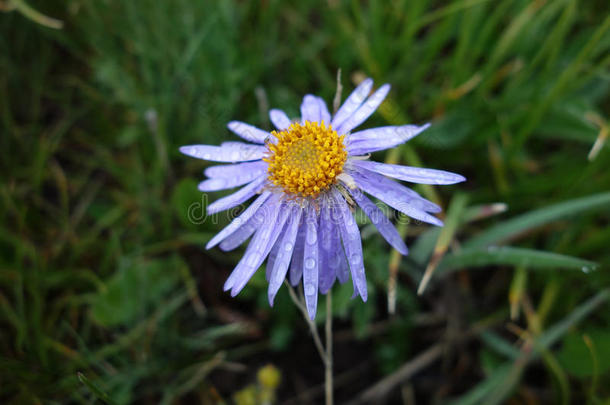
[(403, 250), (211, 209), (270, 298), (367, 82)]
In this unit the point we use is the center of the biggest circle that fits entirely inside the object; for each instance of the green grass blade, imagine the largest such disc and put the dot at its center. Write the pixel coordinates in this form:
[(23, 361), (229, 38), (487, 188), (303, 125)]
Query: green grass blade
[(553, 334), (495, 388), (95, 390), (534, 259), (516, 226), (562, 82)]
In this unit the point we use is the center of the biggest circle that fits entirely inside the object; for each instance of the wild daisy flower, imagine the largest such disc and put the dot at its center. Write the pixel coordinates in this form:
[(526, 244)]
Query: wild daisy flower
[(307, 176)]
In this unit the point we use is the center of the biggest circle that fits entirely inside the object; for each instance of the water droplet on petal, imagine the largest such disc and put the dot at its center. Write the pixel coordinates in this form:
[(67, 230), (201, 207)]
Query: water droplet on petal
[(310, 289), (310, 263), (312, 238)]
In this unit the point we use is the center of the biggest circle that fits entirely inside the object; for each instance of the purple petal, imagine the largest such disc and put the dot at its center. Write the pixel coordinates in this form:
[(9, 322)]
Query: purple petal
[(238, 169), (326, 274), (273, 255), (310, 262), (324, 113), (223, 183), (411, 174), (226, 152), (379, 134), (340, 261), (380, 138), (279, 119), (364, 111), (352, 102), (396, 196), (384, 183), (238, 237), (285, 212), (248, 132), (381, 222), (350, 235), (296, 265), (257, 250), (245, 231), (313, 109), (284, 254), (342, 270), (239, 221), (238, 197), (330, 251), (310, 109)]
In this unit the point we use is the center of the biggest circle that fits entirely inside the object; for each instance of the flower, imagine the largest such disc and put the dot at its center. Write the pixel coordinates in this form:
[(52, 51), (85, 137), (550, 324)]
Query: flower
[(307, 175)]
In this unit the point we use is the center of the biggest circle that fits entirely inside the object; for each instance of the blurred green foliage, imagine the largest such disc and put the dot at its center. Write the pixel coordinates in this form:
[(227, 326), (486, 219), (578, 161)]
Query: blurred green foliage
[(103, 271)]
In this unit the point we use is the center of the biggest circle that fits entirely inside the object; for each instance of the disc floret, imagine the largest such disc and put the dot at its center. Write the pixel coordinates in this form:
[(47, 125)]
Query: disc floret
[(306, 159)]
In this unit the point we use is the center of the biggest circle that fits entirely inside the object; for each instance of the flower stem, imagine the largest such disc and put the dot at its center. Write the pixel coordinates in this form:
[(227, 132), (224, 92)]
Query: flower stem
[(325, 354), (328, 375), (298, 301)]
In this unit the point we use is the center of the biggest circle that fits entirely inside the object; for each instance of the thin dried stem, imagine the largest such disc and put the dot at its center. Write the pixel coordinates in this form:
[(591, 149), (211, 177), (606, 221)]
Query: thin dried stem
[(337, 99), (325, 355), (328, 375), (312, 326)]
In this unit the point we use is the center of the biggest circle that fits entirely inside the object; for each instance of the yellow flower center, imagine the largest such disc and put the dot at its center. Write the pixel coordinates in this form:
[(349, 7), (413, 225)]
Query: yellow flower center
[(306, 159)]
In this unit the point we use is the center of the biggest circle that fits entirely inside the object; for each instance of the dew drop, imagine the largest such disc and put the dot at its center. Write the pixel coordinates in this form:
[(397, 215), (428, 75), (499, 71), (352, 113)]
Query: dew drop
[(312, 238), (287, 246), (310, 263), (309, 289)]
